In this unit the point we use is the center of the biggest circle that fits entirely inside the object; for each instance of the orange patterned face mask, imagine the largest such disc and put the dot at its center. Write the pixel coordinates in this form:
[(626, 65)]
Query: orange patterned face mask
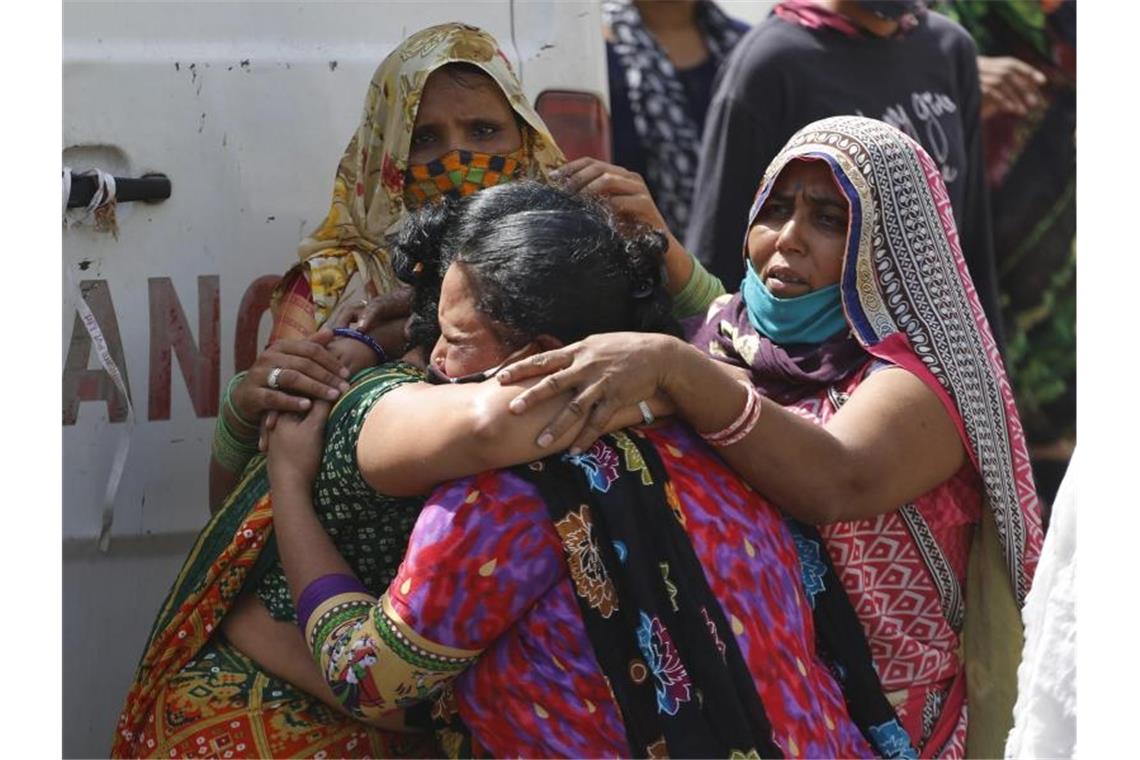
[(460, 173)]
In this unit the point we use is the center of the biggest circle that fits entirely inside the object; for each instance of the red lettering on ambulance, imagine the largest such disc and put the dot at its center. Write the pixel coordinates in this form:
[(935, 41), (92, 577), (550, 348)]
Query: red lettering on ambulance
[(254, 303), (199, 362)]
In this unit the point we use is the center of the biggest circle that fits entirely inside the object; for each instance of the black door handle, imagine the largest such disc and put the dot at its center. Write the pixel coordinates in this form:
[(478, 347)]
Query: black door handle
[(149, 187)]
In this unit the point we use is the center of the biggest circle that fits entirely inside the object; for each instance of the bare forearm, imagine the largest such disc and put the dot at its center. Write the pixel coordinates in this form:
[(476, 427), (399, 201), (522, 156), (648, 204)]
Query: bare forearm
[(803, 467), (275, 645), (461, 430), (306, 551), (499, 426), (278, 647), (796, 464), (222, 483), (891, 442)]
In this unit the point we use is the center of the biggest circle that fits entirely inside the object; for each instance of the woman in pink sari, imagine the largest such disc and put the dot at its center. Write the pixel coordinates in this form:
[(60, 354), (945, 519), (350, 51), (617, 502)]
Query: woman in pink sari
[(854, 381)]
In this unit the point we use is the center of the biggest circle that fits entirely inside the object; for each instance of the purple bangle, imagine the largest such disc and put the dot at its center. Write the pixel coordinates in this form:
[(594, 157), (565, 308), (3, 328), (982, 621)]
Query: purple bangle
[(325, 587), (368, 340)]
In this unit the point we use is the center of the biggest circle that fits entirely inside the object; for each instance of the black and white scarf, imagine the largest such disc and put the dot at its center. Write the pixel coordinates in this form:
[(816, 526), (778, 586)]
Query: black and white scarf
[(661, 112)]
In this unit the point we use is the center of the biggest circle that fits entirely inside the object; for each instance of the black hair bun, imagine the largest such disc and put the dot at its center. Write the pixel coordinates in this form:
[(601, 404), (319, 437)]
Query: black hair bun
[(416, 246)]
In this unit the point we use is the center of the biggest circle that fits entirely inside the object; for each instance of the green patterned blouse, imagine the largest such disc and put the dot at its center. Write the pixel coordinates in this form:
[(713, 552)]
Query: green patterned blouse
[(370, 530)]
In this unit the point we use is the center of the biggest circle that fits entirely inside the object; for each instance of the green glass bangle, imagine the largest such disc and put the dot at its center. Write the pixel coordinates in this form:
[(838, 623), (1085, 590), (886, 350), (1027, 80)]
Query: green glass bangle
[(230, 452), (229, 403)]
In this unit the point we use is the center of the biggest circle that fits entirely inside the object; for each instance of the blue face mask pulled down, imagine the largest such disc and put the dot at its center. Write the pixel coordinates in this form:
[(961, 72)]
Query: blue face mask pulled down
[(811, 318)]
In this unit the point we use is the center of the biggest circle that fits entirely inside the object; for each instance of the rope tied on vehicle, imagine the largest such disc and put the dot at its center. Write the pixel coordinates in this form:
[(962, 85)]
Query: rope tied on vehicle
[(101, 206)]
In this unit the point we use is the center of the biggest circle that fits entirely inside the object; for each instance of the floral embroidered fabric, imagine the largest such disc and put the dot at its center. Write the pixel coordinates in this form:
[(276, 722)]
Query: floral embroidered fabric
[(486, 578)]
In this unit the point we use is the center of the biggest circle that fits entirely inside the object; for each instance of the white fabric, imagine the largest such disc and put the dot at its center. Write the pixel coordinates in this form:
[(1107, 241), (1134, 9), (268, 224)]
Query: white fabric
[(104, 194), (1045, 715)]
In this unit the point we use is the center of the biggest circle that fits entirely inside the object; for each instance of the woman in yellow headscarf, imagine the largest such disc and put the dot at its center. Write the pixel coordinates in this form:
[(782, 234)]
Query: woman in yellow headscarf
[(225, 671), (386, 170), (444, 115)]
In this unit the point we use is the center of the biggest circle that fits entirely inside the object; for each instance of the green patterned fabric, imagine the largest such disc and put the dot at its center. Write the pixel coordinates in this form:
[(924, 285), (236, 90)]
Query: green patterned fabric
[(370, 530), (217, 534), (221, 673), (1025, 18)]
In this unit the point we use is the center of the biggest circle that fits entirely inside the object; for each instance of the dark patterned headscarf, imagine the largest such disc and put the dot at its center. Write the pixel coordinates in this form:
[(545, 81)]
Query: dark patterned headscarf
[(661, 114)]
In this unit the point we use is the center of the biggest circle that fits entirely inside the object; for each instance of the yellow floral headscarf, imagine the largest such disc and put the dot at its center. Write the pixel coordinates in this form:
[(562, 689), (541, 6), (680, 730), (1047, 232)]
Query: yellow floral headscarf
[(368, 197)]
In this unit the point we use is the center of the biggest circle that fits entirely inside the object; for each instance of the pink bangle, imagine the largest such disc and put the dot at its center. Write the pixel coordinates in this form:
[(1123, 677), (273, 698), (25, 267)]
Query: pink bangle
[(736, 424), (742, 425)]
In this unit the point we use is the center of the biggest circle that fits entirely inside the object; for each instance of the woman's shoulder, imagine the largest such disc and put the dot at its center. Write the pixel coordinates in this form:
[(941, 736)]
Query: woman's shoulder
[(368, 385), (367, 388), (394, 371)]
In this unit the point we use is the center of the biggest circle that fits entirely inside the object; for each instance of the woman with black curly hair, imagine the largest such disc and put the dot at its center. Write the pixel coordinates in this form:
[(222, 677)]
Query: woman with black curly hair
[(633, 599)]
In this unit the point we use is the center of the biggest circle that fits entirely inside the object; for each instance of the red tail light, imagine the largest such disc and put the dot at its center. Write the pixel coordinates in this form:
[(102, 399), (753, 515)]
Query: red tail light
[(578, 121)]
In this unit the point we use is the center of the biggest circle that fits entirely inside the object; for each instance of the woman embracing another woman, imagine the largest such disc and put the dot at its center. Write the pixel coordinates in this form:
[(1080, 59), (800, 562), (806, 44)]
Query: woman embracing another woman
[(226, 669), (855, 383), (634, 599)]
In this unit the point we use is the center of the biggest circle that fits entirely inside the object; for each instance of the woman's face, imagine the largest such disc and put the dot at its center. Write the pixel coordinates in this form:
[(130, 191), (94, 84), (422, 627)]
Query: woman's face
[(466, 111), (796, 243), (467, 342)]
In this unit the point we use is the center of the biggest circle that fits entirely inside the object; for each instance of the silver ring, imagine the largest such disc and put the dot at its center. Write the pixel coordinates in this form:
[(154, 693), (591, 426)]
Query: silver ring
[(274, 376), (645, 413)]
